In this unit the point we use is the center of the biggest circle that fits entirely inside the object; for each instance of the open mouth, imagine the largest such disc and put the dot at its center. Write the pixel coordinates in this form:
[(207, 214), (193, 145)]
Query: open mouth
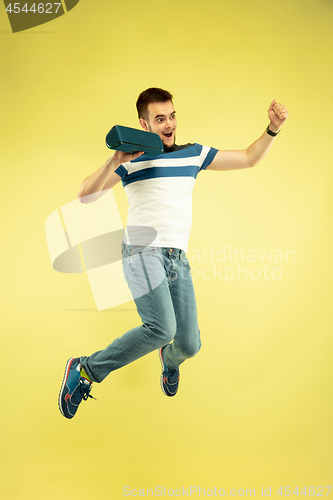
[(168, 135)]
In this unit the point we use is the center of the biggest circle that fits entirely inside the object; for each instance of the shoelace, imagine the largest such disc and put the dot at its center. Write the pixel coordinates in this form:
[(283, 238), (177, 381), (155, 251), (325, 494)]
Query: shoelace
[(81, 392), (172, 376)]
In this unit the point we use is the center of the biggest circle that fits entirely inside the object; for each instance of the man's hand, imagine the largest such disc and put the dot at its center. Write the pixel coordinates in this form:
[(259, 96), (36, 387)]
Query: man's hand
[(105, 177), (230, 160), (122, 157), (277, 113)]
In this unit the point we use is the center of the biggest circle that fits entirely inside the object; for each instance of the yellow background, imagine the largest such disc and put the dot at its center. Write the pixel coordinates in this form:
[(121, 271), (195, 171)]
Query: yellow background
[(255, 406)]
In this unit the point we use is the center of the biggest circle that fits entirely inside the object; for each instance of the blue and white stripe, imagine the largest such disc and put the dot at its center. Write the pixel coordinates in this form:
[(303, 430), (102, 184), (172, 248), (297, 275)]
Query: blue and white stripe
[(159, 192), (182, 163)]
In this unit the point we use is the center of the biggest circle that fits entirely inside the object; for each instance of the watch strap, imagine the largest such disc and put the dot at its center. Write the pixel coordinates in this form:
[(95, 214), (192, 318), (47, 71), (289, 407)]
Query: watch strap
[(269, 132)]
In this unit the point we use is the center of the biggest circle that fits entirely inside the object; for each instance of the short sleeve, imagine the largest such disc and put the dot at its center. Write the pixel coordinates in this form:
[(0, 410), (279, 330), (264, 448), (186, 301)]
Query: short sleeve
[(208, 155), (121, 171)]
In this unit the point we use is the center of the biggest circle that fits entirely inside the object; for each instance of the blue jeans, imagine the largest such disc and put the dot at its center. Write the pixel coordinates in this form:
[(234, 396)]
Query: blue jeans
[(161, 285)]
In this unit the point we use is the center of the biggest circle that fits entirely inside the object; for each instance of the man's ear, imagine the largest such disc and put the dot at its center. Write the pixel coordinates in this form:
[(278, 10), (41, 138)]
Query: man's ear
[(143, 124)]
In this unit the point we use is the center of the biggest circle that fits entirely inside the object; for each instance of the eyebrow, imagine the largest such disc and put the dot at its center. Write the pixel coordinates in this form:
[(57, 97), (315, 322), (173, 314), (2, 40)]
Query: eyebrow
[(163, 116)]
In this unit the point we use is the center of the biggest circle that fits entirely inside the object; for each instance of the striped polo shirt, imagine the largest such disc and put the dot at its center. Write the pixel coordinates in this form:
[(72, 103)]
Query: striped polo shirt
[(159, 191)]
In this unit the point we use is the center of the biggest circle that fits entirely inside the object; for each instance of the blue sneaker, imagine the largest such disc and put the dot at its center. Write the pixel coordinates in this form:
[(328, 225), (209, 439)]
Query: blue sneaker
[(169, 377), (74, 388)]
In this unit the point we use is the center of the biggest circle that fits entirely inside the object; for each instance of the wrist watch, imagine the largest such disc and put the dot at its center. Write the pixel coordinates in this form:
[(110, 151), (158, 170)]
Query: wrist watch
[(269, 132)]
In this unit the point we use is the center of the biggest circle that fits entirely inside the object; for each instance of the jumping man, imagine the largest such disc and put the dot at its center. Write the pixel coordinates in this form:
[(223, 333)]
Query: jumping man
[(154, 247)]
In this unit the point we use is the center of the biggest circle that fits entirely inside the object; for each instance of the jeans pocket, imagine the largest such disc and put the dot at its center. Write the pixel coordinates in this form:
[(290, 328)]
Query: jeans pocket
[(140, 250), (186, 262)]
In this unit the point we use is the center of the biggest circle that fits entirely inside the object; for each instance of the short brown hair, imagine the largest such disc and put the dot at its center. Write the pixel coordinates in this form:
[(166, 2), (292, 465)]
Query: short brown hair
[(152, 94)]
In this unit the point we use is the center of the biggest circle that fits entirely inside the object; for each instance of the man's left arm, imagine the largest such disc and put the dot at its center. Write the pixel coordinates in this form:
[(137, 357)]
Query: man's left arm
[(232, 160)]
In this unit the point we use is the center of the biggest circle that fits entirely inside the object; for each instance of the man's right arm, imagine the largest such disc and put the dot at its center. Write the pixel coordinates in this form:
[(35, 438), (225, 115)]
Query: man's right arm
[(104, 178)]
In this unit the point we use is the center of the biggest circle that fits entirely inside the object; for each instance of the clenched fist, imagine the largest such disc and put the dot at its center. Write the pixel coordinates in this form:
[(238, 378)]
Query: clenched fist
[(277, 113)]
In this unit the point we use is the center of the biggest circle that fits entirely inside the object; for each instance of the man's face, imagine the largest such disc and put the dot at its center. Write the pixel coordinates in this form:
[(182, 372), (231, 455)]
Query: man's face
[(161, 121)]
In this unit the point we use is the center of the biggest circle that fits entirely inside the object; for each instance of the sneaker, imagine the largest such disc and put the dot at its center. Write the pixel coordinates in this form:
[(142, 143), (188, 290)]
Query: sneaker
[(169, 377), (74, 388)]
